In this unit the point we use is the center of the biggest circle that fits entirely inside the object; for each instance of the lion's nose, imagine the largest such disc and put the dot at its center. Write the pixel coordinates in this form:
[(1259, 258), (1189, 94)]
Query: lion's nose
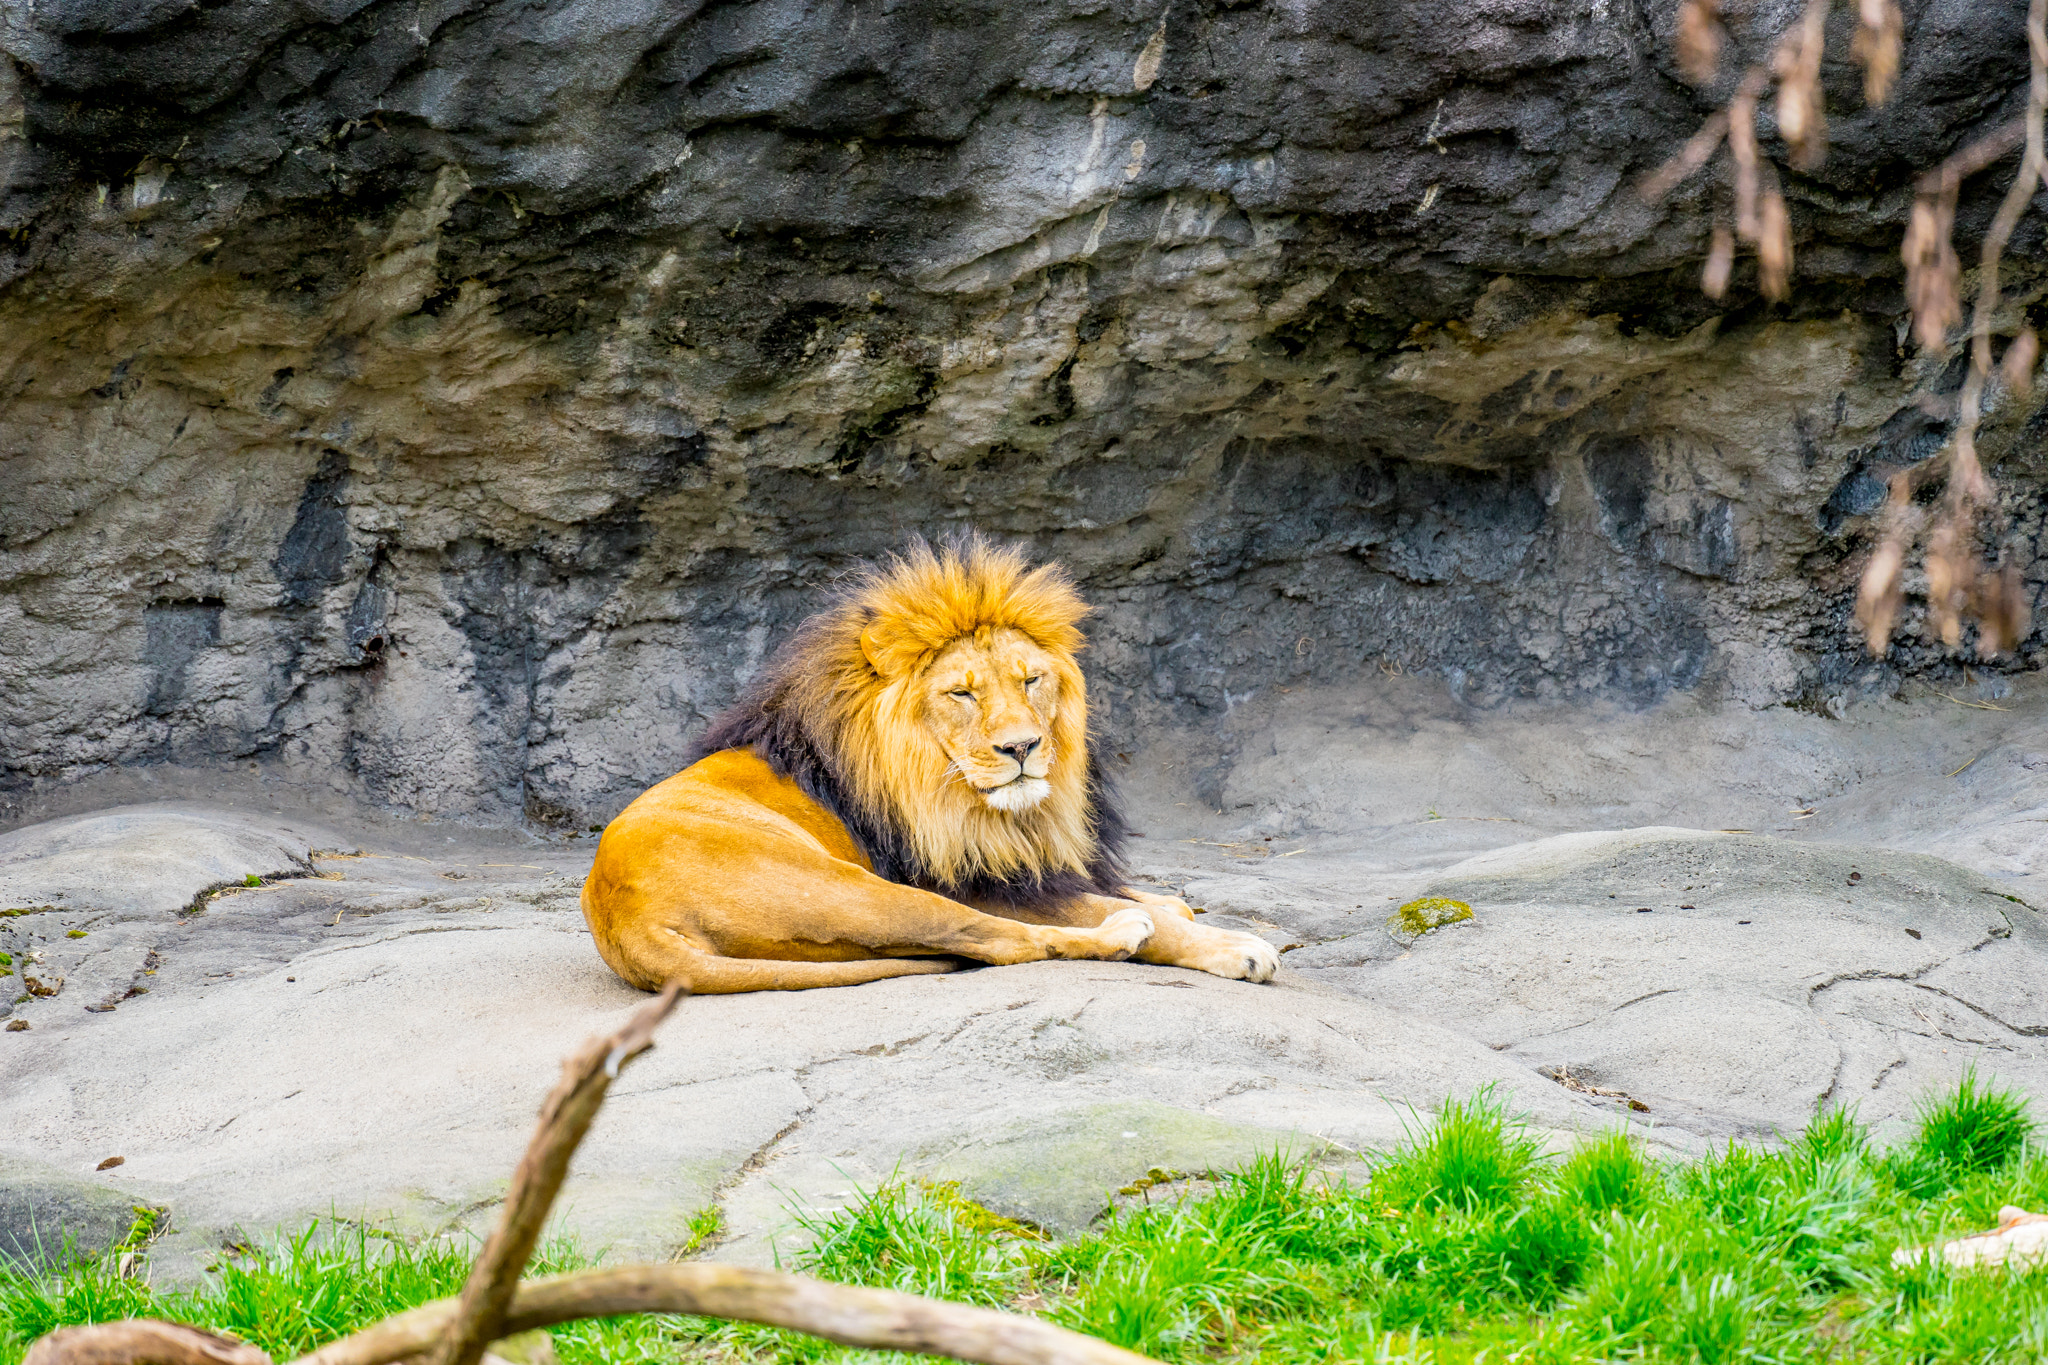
[(1019, 749)]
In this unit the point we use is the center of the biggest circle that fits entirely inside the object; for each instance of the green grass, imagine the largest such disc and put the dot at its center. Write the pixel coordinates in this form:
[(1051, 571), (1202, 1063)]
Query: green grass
[(288, 1298), (1466, 1243)]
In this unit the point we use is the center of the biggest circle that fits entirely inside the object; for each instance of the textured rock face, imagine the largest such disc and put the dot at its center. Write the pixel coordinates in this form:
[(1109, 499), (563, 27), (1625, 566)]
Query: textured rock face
[(461, 398)]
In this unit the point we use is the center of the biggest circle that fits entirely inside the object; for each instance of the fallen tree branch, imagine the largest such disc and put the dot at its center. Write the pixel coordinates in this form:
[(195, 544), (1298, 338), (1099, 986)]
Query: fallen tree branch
[(565, 1117), (140, 1341), (878, 1319)]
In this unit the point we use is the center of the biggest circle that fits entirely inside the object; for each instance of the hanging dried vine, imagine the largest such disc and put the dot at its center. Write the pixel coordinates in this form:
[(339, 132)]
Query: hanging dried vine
[(1962, 582)]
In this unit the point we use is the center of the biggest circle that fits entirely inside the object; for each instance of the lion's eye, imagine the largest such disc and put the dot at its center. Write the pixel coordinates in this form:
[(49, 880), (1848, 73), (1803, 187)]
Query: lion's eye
[(1032, 681), (961, 693)]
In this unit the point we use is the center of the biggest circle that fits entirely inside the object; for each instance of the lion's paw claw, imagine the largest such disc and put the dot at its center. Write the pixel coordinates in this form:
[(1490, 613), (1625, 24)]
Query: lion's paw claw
[(1245, 957)]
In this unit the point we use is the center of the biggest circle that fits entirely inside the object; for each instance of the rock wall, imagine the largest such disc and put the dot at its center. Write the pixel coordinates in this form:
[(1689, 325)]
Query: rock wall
[(458, 399)]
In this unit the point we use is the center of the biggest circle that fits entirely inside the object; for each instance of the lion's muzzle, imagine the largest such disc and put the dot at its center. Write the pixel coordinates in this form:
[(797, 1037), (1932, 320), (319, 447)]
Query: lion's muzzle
[(1021, 793)]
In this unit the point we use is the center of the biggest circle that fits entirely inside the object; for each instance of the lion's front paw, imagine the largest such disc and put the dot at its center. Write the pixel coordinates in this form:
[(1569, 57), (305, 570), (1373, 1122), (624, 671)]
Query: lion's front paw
[(1124, 932), (1241, 957)]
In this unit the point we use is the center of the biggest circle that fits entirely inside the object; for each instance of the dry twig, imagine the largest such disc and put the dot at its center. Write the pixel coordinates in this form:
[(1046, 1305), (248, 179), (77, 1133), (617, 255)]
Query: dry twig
[(1802, 116), (1932, 270), (1880, 33), (1696, 152), (564, 1118)]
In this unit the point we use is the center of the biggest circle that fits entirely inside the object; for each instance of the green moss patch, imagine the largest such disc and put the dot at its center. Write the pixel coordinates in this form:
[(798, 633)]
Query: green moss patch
[(1419, 917)]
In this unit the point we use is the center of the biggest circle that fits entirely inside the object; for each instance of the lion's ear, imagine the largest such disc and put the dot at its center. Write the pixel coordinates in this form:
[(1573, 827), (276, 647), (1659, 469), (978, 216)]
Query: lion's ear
[(871, 645), (886, 651)]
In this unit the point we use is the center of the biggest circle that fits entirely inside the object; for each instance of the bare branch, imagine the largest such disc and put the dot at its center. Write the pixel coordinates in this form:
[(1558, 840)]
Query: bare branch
[(1973, 158), (494, 1304), (1720, 263), (1948, 576), (564, 1118), (1959, 583), (140, 1341), (1774, 246), (2017, 197), (1932, 271), (878, 1319), (2002, 610), (1879, 593), (2017, 368)]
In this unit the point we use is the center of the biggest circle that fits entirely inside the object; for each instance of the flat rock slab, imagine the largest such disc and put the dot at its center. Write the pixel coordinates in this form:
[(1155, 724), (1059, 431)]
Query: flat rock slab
[(49, 1217), (145, 860), (370, 1039), (1730, 983)]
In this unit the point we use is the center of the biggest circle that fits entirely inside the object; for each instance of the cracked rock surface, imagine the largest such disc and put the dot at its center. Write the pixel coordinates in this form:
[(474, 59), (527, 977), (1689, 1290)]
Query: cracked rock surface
[(1725, 978), (368, 1031)]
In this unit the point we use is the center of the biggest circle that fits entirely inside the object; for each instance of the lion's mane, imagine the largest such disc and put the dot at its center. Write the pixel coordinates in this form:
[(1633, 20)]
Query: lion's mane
[(835, 710)]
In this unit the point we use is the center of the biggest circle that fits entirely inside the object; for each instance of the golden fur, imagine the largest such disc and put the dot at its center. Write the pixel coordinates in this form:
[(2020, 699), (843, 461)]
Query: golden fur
[(909, 779), (858, 693)]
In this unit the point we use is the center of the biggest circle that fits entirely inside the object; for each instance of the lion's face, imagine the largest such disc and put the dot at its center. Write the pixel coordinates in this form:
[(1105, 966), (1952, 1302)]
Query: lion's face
[(991, 701)]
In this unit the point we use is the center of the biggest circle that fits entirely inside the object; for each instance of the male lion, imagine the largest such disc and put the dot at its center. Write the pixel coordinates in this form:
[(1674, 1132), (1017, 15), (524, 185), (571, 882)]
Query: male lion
[(908, 784)]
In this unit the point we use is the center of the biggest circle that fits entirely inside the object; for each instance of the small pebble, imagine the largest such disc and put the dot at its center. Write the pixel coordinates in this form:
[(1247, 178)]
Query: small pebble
[(111, 1162), (1913, 933)]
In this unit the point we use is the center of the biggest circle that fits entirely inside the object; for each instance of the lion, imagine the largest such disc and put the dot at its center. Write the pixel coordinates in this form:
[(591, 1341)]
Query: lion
[(907, 788)]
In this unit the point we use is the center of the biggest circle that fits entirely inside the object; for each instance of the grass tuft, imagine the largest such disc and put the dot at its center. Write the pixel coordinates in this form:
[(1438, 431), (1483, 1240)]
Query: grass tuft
[(1475, 1156), (1608, 1175), (705, 1226), (1974, 1129), (905, 1237), (286, 1298)]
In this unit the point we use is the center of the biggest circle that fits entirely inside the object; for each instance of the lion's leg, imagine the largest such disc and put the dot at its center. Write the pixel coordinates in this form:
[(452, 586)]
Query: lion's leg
[(709, 974), (788, 907), (1179, 941)]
